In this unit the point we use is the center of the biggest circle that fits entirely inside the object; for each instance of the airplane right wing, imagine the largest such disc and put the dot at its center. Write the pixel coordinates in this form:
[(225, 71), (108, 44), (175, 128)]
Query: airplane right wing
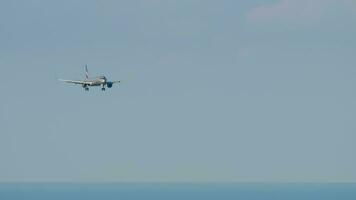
[(72, 81)]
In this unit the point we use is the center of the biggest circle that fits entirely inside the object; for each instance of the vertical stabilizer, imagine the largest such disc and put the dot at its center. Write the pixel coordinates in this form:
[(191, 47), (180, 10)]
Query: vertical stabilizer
[(86, 72)]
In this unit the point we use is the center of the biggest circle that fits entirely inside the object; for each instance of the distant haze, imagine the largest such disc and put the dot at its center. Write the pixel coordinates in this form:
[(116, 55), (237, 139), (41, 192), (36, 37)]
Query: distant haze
[(212, 91)]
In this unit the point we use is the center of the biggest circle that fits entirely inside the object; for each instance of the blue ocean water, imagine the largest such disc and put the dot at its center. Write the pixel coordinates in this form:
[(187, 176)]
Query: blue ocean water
[(161, 191)]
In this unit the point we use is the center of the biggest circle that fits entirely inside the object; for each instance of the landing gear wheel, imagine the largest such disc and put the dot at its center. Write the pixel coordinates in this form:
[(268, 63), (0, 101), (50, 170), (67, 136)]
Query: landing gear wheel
[(86, 89), (102, 89)]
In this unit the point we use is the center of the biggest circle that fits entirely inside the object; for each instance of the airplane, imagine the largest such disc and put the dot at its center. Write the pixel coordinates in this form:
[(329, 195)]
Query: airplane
[(90, 82)]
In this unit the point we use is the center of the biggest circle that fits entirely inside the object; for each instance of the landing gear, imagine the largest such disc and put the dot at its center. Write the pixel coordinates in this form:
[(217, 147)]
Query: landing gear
[(103, 89), (86, 88)]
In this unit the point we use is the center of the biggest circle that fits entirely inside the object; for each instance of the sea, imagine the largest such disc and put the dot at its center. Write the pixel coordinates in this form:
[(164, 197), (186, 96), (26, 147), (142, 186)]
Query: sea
[(176, 191)]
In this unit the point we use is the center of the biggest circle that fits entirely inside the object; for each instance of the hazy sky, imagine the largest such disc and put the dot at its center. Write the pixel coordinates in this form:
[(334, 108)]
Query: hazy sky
[(213, 90)]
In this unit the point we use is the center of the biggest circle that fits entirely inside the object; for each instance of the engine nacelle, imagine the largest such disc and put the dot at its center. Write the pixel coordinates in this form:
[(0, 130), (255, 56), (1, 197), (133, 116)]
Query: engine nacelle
[(109, 84)]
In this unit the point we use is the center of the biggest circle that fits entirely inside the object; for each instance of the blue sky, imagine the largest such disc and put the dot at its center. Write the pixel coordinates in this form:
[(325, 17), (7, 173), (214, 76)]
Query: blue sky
[(212, 91)]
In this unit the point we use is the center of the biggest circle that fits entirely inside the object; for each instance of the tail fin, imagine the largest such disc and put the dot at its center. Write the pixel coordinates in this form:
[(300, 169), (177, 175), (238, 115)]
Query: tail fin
[(86, 72)]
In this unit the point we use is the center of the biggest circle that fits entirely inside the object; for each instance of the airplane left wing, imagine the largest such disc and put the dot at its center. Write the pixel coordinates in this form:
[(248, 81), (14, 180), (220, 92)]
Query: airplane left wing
[(72, 81)]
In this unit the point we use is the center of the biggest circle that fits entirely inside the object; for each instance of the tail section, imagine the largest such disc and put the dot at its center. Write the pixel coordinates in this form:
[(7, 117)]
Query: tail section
[(86, 72)]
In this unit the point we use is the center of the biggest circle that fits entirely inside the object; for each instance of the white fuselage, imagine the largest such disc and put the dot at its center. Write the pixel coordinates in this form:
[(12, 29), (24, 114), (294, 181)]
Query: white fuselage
[(99, 81)]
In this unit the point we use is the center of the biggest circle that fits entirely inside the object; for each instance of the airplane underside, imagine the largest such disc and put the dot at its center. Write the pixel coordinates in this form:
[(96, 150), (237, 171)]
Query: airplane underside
[(86, 87), (108, 84)]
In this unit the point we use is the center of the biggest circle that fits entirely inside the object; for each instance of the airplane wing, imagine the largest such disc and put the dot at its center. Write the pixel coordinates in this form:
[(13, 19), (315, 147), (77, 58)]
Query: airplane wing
[(72, 81), (111, 83)]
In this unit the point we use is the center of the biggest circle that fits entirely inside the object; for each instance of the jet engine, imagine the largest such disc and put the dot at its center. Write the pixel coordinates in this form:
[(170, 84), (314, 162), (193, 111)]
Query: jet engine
[(109, 84)]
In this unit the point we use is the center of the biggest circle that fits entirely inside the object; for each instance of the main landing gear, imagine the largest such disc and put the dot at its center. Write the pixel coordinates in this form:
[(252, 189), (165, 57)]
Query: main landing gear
[(103, 87)]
